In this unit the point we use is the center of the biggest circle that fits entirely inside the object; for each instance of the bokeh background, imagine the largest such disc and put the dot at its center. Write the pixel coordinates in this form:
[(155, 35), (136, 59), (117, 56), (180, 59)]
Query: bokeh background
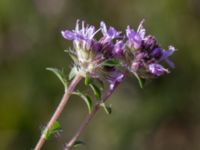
[(165, 115)]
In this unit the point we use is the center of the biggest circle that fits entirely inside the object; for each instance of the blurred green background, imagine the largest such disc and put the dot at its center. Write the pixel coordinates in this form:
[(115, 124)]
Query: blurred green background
[(165, 115)]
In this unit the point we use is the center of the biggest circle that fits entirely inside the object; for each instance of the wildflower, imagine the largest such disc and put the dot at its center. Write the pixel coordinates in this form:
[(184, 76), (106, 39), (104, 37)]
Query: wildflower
[(139, 53), (143, 55), (107, 59), (91, 54), (85, 47), (108, 34), (135, 38)]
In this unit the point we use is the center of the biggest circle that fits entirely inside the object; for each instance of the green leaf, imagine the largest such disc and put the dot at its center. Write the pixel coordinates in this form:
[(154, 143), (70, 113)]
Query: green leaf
[(96, 90), (86, 99), (78, 143), (60, 74), (108, 109), (87, 80), (72, 73), (56, 128), (140, 81), (111, 63)]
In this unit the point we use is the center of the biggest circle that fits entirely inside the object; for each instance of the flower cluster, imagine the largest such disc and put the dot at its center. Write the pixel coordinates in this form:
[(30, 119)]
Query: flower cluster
[(107, 59), (143, 54), (115, 53)]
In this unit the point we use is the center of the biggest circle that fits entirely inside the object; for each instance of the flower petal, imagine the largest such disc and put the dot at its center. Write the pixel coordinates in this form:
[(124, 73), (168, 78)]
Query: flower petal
[(119, 48), (157, 69), (134, 39), (103, 28), (68, 35), (141, 30)]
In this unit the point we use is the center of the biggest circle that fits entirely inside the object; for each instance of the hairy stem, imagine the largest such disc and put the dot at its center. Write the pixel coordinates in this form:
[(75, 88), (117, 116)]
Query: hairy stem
[(58, 111), (86, 121)]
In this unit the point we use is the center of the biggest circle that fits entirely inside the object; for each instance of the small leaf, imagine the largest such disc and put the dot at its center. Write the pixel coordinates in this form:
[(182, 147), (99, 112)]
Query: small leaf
[(87, 80), (96, 90), (108, 109), (72, 73), (86, 99), (60, 74), (78, 143), (56, 128), (111, 63), (140, 81)]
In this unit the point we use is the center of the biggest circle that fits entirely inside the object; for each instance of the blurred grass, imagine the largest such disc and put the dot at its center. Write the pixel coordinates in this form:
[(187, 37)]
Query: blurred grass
[(162, 116)]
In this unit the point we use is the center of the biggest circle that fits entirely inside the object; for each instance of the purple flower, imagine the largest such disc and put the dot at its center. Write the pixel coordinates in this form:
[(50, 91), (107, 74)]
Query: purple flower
[(96, 46), (118, 48), (114, 78), (85, 32), (141, 30), (137, 52), (86, 49), (112, 50), (157, 53), (150, 43), (166, 54), (157, 69), (91, 53), (108, 34), (144, 54), (134, 38), (82, 36)]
